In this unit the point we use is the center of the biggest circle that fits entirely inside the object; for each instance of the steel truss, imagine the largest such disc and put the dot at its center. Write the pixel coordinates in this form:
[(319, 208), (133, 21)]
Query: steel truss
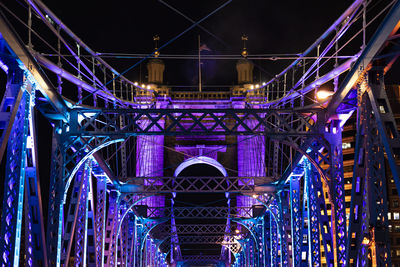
[(270, 122), (77, 142), (102, 227), (154, 185), (206, 239), (368, 239), (13, 199), (199, 212), (200, 258), (192, 229)]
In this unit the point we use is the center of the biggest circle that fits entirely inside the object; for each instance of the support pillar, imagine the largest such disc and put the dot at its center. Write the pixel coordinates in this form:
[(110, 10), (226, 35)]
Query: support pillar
[(296, 219), (91, 226), (82, 220), (150, 162), (100, 219), (284, 218), (35, 245), (56, 208), (251, 163), (72, 216), (13, 197), (368, 240), (333, 134), (313, 233), (111, 227), (274, 237)]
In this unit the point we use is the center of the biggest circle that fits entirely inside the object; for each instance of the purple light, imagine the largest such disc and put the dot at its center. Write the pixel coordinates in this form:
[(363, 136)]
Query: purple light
[(149, 163), (250, 166)]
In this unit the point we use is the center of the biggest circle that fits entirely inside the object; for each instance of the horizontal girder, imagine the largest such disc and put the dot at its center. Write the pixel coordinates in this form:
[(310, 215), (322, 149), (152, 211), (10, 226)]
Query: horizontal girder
[(207, 239), (197, 185), (273, 122), (201, 257), (193, 229), (202, 212)]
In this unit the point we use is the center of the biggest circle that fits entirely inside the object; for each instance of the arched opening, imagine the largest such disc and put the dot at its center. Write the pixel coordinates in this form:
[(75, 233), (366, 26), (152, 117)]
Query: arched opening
[(200, 167), (200, 160)]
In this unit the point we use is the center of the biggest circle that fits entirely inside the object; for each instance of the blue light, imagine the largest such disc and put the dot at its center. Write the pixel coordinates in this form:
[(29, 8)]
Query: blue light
[(4, 67)]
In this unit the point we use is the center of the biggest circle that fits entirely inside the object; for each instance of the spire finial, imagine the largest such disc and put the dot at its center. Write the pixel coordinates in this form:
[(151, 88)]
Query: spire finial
[(156, 38), (244, 39)]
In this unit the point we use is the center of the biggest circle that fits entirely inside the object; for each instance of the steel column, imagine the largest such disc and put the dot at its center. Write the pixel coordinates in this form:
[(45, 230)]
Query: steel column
[(91, 228), (274, 236), (296, 219), (313, 217), (333, 134), (101, 212), (35, 245), (13, 198), (80, 255), (368, 237), (111, 227)]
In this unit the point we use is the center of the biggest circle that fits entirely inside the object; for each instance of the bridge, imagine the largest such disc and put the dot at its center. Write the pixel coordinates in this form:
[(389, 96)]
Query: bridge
[(262, 165)]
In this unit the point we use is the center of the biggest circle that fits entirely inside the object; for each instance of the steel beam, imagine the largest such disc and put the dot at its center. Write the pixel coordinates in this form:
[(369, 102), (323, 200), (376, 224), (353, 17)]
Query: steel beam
[(368, 239), (35, 244), (313, 217), (154, 185), (111, 227), (81, 238), (72, 217), (20, 52), (101, 212), (10, 102), (56, 209), (362, 64), (195, 212), (337, 193), (14, 182), (269, 122), (296, 219), (358, 221), (91, 223), (283, 216), (274, 237), (190, 229)]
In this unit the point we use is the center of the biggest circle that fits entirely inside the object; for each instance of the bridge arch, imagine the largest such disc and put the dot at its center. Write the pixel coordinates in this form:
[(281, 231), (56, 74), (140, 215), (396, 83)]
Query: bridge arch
[(85, 157), (200, 160)]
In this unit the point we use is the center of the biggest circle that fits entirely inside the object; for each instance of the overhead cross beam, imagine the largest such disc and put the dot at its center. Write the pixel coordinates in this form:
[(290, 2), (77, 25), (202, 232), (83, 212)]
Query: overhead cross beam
[(206, 239), (271, 122), (201, 212), (196, 184), (192, 229), (200, 257)]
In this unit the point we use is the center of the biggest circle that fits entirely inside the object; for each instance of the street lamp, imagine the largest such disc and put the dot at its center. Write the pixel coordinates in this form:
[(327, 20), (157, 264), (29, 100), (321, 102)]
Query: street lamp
[(324, 94)]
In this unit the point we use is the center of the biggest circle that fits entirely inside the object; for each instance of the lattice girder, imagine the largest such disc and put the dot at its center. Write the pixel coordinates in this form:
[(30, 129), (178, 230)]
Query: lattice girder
[(274, 122), (198, 184), (199, 212)]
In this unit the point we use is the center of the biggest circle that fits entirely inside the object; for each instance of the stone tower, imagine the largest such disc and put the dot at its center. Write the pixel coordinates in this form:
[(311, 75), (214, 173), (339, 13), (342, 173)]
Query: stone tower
[(245, 71), (155, 70)]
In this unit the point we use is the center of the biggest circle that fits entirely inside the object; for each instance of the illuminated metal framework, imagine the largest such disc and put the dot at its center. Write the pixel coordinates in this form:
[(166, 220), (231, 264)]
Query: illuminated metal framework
[(199, 212), (284, 207)]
